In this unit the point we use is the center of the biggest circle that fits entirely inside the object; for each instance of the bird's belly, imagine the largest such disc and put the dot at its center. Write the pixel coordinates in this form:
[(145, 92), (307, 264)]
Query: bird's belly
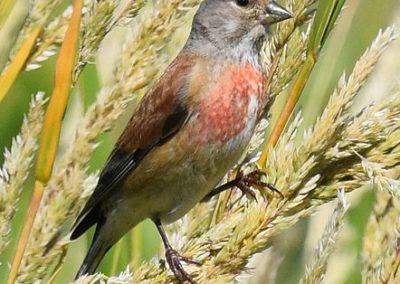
[(179, 185), (199, 174), (173, 178)]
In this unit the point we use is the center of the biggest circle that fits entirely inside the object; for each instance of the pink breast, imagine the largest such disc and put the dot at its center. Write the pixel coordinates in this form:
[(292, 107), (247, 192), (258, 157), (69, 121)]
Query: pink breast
[(224, 112)]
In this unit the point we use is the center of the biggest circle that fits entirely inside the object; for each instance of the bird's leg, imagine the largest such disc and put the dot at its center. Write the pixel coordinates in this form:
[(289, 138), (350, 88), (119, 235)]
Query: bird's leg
[(244, 183), (173, 257)]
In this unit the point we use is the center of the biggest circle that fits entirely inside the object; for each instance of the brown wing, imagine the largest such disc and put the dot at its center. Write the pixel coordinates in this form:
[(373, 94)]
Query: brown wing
[(147, 123), (160, 115)]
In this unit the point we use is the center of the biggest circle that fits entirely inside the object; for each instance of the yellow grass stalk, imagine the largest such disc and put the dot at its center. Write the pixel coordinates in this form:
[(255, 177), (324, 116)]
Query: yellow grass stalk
[(325, 18), (11, 72), (55, 112), (51, 130), (5, 8), (288, 108)]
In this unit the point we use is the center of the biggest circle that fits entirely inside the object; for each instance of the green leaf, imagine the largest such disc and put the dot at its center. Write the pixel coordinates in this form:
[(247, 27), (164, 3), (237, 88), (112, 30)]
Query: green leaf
[(325, 18)]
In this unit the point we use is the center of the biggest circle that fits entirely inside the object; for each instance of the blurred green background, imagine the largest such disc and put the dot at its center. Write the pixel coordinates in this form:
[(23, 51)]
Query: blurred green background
[(354, 32)]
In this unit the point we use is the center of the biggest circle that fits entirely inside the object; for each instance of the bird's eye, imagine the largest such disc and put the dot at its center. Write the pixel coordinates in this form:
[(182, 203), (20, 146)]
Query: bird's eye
[(242, 3)]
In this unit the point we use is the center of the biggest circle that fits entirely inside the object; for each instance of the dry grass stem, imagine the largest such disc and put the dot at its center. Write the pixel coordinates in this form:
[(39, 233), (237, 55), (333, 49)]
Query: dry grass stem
[(99, 19), (50, 39), (285, 51), (17, 163), (39, 14), (128, 13), (381, 242), (381, 177), (315, 273), (388, 265), (123, 277)]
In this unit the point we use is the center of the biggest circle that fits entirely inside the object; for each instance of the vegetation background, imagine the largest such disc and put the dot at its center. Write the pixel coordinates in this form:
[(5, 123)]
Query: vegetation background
[(356, 28)]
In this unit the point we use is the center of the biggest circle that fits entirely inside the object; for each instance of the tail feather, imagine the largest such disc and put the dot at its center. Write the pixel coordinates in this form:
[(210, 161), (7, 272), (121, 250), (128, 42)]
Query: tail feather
[(83, 224), (108, 232), (97, 250), (99, 247)]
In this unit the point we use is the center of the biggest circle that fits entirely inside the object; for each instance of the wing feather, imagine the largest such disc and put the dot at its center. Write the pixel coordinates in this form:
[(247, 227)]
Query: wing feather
[(161, 113)]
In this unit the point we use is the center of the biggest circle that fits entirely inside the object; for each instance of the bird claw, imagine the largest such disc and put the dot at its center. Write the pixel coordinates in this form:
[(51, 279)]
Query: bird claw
[(244, 183), (174, 260), (244, 187)]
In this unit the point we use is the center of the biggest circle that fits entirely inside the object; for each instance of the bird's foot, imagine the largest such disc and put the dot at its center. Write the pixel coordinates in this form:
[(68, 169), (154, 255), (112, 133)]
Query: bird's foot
[(174, 260), (245, 182)]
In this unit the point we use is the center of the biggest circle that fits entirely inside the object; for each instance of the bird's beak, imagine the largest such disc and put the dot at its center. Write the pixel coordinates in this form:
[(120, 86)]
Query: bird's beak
[(276, 13)]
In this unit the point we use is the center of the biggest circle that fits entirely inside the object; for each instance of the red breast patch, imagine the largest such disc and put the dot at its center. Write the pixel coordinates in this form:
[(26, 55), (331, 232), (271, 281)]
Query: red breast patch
[(224, 112)]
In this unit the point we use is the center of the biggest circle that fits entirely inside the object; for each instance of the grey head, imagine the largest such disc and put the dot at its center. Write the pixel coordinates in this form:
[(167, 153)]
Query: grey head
[(232, 27)]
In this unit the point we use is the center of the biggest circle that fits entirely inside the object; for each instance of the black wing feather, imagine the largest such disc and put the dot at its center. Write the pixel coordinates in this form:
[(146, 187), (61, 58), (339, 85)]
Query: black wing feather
[(119, 165)]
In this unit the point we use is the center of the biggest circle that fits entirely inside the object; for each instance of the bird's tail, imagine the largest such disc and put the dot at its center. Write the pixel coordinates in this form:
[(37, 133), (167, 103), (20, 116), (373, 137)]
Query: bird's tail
[(97, 250)]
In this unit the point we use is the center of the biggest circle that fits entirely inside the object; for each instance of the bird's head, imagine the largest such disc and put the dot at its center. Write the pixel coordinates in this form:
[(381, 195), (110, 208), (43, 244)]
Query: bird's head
[(227, 23)]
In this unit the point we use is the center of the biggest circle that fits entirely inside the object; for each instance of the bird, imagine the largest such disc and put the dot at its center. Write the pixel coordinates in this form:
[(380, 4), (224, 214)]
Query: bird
[(190, 128)]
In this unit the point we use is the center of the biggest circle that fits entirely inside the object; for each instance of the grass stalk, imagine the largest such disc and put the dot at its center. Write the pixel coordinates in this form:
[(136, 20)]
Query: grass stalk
[(8, 77), (59, 98), (288, 108), (51, 131), (17, 163), (5, 9), (23, 240), (327, 13)]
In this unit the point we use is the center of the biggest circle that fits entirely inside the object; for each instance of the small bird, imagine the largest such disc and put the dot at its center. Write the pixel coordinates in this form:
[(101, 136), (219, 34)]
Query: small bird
[(191, 127)]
